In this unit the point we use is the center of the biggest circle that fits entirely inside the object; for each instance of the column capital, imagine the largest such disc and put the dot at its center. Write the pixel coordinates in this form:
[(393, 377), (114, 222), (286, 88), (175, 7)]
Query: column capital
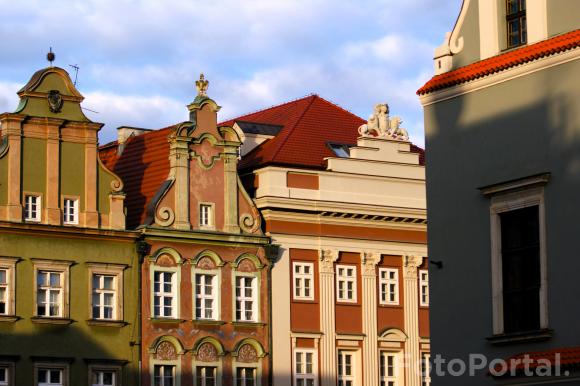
[(327, 258), (369, 261), (411, 263)]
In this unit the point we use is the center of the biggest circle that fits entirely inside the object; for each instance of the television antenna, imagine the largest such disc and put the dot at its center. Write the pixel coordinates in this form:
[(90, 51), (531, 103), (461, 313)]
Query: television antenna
[(76, 68)]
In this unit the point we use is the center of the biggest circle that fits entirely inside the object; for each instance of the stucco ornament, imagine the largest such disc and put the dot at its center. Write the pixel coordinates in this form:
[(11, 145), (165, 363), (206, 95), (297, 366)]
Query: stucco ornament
[(166, 351), (207, 353), (165, 216), (206, 263), (247, 353), (411, 263), (201, 85), (380, 125), (55, 101), (327, 259), (369, 262)]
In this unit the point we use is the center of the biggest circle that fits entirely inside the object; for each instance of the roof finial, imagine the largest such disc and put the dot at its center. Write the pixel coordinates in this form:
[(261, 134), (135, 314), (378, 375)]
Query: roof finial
[(201, 85), (50, 56)]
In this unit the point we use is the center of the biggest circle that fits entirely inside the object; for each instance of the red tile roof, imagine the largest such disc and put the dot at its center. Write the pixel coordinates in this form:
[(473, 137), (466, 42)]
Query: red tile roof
[(552, 46), (569, 357), (309, 124)]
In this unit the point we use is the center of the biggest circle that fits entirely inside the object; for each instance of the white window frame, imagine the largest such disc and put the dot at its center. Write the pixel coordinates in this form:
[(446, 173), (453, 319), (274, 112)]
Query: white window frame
[(8, 367), (425, 369), (215, 297), (424, 288), (6, 371), (385, 286), (176, 373), (69, 218), (244, 367), (8, 264), (175, 285), (62, 368), (385, 378), (207, 220), (28, 198), (345, 280), (255, 285), (115, 270), (197, 366), (58, 267), (299, 280), (354, 376), (116, 370), (506, 200), (300, 373)]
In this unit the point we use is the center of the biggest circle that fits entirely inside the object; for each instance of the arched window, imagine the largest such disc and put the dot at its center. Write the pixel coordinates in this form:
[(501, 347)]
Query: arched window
[(207, 364), (165, 361)]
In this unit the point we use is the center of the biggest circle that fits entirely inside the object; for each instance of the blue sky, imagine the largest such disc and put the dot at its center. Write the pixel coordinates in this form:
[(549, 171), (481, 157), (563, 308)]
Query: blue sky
[(139, 59)]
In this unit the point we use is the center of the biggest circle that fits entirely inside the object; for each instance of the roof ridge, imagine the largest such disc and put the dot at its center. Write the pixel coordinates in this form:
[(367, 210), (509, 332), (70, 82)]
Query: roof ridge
[(268, 108)]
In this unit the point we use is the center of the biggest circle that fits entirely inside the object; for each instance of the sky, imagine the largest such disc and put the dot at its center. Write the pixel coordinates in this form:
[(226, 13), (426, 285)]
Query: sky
[(138, 59)]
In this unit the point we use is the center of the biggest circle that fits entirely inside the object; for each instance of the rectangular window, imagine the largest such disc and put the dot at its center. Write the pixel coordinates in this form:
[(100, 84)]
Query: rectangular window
[(164, 294), (389, 286), (346, 368), (246, 292), (32, 207), (164, 375), (388, 369), (245, 376), (50, 377), (424, 287), (4, 376), (103, 378), (70, 211), (205, 215), (516, 23), (205, 296), (521, 271), (104, 296), (346, 283), (206, 376), (303, 281), (304, 368), (4, 291), (425, 369), (49, 294)]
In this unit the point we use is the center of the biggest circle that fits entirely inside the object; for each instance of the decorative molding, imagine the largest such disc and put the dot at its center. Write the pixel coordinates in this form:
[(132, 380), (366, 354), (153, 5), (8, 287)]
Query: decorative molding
[(456, 42), (411, 263), (165, 216), (207, 352), (369, 261), (517, 184), (327, 259)]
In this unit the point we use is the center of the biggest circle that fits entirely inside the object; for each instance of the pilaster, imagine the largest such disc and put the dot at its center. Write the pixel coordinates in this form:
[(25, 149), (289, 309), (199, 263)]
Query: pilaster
[(91, 214), (327, 317), (52, 204), (231, 191), (179, 169), (411, 311), (12, 128), (369, 263)]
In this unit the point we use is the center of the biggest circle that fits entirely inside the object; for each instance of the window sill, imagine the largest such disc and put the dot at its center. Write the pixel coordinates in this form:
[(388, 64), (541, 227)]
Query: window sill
[(166, 320), (106, 323), (47, 320), (347, 303), (208, 322), (521, 337), (386, 305), (307, 301), (248, 324), (9, 318)]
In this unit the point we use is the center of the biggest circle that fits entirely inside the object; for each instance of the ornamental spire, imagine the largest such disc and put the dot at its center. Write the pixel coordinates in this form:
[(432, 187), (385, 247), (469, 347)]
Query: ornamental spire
[(201, 85)]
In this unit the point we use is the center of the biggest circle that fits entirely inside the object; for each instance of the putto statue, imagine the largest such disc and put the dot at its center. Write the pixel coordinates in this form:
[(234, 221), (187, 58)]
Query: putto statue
[(382, 126)]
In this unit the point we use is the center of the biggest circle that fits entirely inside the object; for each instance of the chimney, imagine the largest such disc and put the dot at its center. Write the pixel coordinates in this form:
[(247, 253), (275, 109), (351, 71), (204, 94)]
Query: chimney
[(126, 132)]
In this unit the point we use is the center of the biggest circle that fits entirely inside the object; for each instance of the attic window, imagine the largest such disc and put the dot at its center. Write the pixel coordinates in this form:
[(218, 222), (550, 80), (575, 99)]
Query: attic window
[(342, 151)]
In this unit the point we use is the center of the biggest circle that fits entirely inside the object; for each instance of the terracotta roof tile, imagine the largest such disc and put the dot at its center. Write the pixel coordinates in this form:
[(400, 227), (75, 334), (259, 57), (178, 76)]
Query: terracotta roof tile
[(569, 357), (516, 57)]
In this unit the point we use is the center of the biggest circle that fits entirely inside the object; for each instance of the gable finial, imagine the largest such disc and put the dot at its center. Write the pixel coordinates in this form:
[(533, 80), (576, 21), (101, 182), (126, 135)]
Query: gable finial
[(201, 85), (50, 56)]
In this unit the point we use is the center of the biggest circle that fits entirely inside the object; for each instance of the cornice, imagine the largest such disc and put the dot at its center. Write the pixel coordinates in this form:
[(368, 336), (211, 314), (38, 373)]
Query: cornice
[(154, 233), (44, 230)]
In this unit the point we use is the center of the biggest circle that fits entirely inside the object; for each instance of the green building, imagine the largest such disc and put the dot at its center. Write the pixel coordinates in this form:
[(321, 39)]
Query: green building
[(69, 271)]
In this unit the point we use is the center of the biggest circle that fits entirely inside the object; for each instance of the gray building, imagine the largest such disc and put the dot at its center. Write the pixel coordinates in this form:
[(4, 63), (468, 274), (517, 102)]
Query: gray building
[(502, 122)]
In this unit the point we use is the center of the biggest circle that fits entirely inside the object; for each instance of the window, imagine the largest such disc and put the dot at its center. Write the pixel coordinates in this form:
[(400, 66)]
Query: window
[(4, 294), (50, 377), (388, 369), (246, 298), (7, 276), (164, 375), (303, 279), (49, 295), (346, 368), (206, 376), (245, 376), (389, 285), (206, 292), (206, 215), (164, 294), (516, 23), (32, 207), (304, 367), (4, 376), (424, 287), (342, 151), (103, 378), (346, 283), (425, 369), (104, 296), (70, 211)]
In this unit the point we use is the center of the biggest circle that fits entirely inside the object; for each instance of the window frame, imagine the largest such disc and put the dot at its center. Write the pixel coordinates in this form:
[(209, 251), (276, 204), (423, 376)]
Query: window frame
[(9, 264), (175, 284), (245, 366), (216, 281), (355, 367), (387, 281), (9, 367), (117, 370), (302, 277), (505, 199), (115, 270), (59, 266), (38, 217), (210, 219), (255, 296), (176, 371), (346, 280), (62, 367), (397, 374), (304, 375), (521, 17), (76, 207), (425, 368), (423, 288)]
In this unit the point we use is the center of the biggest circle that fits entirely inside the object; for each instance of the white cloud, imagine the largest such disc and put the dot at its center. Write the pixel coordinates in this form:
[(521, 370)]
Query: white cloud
[(8, 97)]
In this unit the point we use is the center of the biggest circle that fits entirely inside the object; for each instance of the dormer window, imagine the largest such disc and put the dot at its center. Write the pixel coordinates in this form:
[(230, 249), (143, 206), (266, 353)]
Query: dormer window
[(516, 23)]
